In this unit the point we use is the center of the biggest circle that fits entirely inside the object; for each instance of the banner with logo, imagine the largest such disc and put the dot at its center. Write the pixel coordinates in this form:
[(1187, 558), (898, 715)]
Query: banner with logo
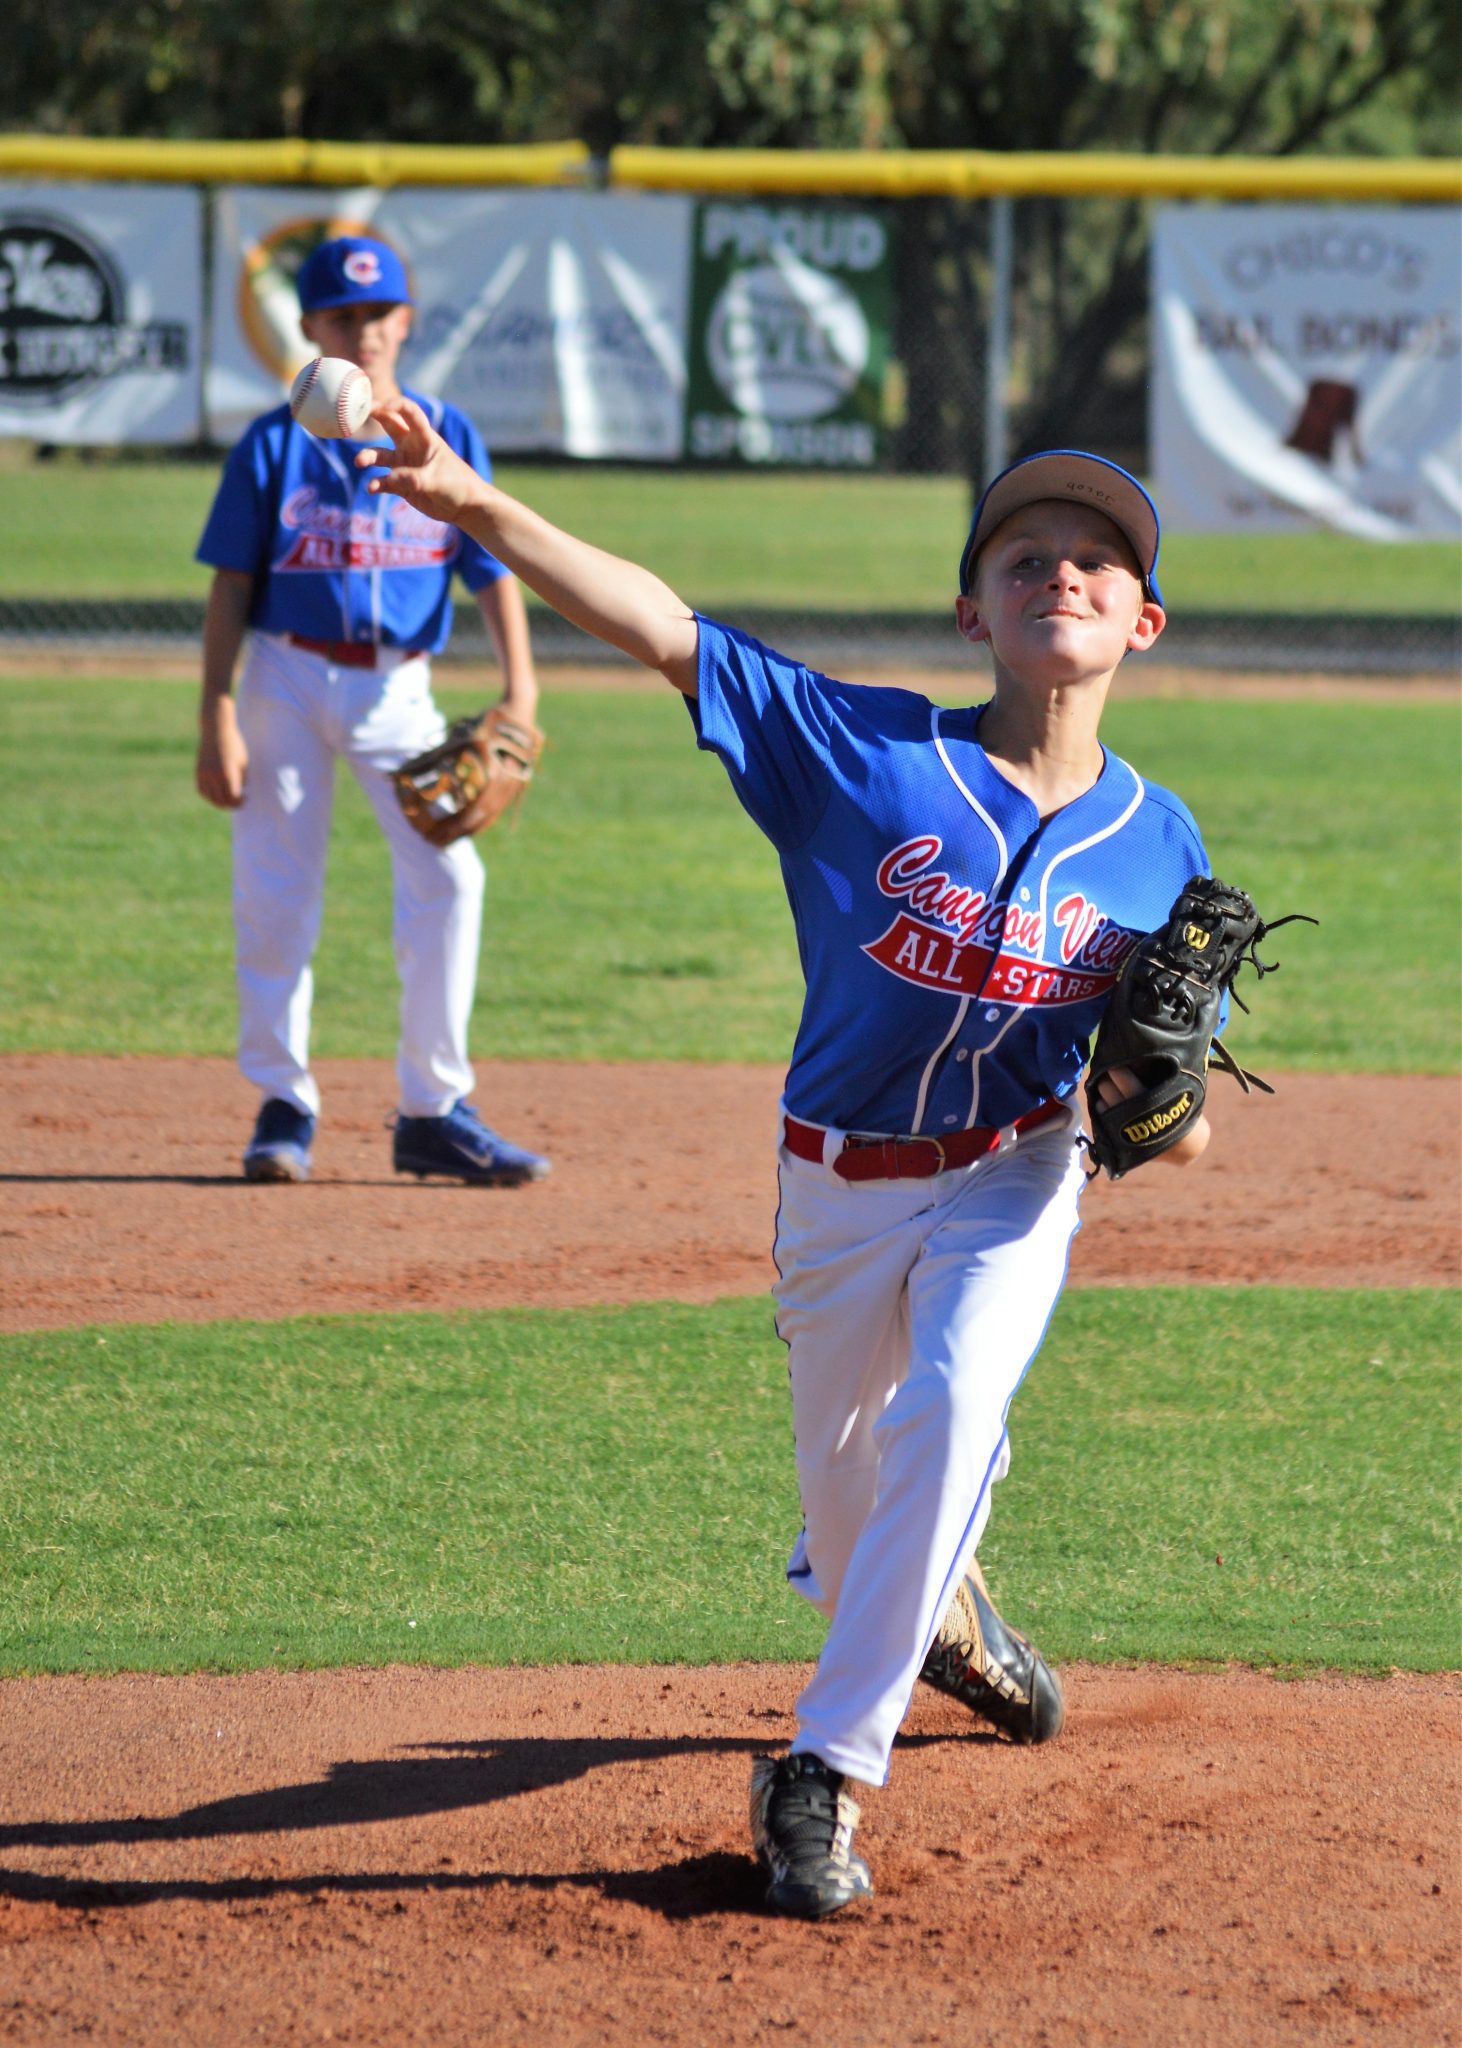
[(790, 316), (555, 320), (101, 312), (1308, 369)]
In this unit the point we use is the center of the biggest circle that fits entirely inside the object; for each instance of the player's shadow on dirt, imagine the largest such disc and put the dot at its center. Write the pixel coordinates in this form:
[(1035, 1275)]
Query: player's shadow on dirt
[(401, 1788), (688, 1890), (452, 1776), (353, 1794), (126, 1180), (322, 1184)]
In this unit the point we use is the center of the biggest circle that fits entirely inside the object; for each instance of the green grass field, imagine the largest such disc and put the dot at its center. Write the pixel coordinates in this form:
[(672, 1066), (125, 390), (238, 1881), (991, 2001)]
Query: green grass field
[(636, 912), (1264, 1475), (727, 542)]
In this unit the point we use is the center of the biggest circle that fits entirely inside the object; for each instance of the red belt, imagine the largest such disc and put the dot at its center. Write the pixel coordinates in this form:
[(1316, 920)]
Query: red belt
[(351, 653), (908, 1158)]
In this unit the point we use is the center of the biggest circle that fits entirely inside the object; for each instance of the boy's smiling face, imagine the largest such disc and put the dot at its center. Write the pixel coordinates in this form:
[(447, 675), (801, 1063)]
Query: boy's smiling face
[(1058, 594)]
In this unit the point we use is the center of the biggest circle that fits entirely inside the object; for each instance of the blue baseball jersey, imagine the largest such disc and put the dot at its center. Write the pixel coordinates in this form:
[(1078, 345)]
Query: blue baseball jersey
[(957, 949), (331, 561)]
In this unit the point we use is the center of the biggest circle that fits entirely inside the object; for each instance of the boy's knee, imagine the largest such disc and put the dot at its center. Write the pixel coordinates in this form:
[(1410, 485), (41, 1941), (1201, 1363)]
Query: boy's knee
[(466, 875), (452, 878), (954, 1424)]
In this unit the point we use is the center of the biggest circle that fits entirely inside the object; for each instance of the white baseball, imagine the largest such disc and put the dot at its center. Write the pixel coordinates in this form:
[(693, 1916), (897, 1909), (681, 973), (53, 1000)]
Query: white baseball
[(332, 398)]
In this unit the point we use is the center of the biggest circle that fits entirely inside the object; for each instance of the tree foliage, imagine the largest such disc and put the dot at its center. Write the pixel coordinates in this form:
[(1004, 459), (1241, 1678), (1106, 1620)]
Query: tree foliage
[(1190, 76)]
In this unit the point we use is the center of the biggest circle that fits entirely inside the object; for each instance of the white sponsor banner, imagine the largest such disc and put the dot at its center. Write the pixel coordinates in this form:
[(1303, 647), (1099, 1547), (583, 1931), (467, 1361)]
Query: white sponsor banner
[(556, 320), (1308, 369), (101, 312)]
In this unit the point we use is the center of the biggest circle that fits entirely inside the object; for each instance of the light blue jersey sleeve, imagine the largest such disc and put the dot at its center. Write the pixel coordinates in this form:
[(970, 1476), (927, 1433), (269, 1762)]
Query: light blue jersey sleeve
[(767, 718)]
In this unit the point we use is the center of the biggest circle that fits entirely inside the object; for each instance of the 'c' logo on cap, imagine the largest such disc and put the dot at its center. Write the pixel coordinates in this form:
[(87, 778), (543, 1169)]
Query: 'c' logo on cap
[(362, 266)]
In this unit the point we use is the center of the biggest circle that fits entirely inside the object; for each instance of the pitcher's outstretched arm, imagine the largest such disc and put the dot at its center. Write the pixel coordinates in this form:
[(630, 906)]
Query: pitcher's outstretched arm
[(615, 600)]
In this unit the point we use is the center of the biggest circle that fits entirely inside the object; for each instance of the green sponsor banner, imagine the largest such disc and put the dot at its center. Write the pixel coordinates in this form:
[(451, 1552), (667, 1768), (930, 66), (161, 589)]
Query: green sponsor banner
[(789, 335)]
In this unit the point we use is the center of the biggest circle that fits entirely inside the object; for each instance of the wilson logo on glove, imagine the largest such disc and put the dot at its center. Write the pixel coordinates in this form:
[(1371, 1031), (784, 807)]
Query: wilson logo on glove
[(1150, 1127)]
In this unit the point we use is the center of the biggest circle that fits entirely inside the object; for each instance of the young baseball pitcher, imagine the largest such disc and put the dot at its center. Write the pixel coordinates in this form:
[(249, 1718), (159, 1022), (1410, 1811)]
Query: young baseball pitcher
[(965, 885), (343, 599)]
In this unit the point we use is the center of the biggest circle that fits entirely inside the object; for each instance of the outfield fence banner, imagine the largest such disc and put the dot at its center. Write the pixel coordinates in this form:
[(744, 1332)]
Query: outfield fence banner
[(1307, 366), (791, 308), (101, 312), (556, 320)]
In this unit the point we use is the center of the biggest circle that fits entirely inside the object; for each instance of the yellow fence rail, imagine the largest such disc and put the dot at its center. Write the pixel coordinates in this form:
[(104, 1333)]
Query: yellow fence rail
[(291, 162), (985, 174), (891, 174)]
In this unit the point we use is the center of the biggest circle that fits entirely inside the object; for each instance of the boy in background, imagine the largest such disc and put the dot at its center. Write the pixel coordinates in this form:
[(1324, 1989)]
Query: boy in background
[(341, 599)]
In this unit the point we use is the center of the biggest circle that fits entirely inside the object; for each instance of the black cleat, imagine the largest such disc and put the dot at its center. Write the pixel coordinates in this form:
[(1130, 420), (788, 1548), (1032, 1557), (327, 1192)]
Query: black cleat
[(802, 1824), (980, 1660)]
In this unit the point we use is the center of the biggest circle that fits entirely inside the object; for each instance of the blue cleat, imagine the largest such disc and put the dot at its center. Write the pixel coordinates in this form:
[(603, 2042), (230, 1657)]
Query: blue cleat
[(459, 1146), (280, 1146)]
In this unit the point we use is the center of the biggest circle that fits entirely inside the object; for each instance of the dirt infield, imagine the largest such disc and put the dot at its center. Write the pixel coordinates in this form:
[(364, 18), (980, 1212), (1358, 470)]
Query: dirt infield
[(120, 1196), (507, 1857), (516, 1858)]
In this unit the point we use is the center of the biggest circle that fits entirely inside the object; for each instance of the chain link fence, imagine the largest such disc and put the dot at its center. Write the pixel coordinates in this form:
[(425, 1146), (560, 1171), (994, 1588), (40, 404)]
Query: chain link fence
[(1077, 369), (1263, 642)]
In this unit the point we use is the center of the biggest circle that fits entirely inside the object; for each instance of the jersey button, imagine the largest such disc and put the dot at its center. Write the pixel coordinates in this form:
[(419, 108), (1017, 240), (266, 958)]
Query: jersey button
[(962, 1054)]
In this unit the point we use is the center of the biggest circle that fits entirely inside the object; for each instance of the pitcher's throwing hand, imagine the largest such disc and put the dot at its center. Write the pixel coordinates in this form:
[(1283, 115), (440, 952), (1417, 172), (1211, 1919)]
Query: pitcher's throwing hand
[(425, 472)]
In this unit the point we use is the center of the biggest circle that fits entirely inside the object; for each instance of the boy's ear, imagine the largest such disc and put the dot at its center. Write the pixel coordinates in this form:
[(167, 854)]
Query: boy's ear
[(970, 621), (1146, 627)]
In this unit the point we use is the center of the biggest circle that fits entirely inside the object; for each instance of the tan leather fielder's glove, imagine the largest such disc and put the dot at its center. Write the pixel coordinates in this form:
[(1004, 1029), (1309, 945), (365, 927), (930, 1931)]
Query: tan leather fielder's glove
[(479, 771)]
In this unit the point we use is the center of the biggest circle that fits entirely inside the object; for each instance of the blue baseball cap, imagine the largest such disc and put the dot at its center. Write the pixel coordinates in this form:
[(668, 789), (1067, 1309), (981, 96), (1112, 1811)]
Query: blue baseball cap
[(1085, 480), (351, 270)]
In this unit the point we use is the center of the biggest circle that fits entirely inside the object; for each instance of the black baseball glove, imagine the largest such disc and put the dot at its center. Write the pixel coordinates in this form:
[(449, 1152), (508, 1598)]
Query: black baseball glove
[(1161, 1022)]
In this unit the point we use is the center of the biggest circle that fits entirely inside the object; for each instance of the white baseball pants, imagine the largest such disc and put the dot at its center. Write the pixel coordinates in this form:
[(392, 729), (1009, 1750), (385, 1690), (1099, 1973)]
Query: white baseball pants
[(297, 713), (911, 1310)]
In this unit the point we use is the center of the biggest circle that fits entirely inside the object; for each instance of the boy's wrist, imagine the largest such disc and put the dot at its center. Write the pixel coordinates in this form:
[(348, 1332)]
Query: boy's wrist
[(484, 497)]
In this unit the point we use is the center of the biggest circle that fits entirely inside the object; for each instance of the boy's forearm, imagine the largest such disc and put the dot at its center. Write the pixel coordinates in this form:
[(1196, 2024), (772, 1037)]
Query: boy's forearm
[(615, 600), (225, 621), (505, 616)]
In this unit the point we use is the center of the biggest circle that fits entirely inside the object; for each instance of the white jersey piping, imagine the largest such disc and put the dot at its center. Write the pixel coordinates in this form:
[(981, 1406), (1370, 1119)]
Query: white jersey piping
[(1081, 846), (348, 485), (971, 799), (971, 1119), (962, 1009), (1095, 839)]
